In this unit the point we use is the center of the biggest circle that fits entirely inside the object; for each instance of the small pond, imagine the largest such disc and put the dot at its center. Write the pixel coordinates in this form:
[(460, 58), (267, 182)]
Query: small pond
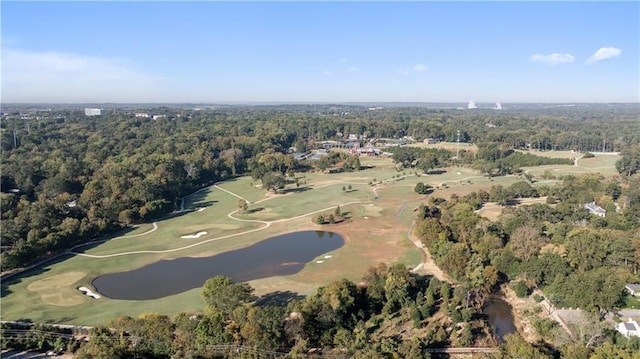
[(500, 317), (278, 256)]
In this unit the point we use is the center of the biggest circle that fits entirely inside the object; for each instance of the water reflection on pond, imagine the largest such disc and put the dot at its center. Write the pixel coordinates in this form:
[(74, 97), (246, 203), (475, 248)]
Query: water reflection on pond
[(282, 255), (500, 317)]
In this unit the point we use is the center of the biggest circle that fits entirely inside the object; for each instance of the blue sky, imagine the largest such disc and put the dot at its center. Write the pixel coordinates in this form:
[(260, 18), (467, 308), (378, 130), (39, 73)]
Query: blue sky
[(220, 52)]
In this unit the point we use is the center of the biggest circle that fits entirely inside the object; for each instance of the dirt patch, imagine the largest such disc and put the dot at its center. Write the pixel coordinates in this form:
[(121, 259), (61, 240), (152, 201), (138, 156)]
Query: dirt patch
[(58, 290), (491, 211)]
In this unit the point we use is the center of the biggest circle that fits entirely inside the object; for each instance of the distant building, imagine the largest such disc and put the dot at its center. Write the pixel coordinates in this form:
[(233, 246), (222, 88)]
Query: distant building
[(630, 328), (430, 140), (155, 117), (92, 112), (142, 114), (594, 209), (366, 151)]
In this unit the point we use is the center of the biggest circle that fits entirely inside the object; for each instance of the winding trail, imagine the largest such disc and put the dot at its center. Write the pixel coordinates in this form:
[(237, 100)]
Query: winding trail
[(427, 266), (155, 227)]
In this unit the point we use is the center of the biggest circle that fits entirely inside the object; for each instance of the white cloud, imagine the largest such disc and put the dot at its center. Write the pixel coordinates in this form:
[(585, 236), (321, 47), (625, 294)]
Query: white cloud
[(29, 76), (553, 59), (352, 69), (407, 70), (604, 53), (344, 61), (326, 72), (419, 68)]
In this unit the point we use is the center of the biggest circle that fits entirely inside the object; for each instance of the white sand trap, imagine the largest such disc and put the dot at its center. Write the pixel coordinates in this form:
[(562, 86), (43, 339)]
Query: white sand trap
[(319, 262), (197, 235), (89, 292), (201, 209), (328, 256), (459, 173)]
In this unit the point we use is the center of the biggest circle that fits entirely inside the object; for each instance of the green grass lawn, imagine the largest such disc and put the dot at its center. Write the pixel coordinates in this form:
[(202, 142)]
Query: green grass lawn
[(631, 302), (603, 164)]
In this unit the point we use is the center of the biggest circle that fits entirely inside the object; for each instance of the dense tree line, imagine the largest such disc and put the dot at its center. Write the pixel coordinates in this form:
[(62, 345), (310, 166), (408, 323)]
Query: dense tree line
[(42, 337), (391, 313)]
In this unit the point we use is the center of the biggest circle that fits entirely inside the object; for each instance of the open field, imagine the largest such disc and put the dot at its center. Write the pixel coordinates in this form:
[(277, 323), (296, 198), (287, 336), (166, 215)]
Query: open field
[(554, 154), (601, 163), (447, 146), (377, 231), (492, 210)]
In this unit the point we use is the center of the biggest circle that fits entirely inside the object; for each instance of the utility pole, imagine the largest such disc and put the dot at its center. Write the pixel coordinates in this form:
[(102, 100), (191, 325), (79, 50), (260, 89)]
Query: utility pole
[(15, 142)]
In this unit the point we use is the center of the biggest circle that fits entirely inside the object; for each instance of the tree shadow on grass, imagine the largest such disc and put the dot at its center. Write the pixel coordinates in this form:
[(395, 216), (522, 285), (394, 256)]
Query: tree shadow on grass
[(38, 269), (513, 202), (203, 204), (436, 172), (254, 210), (59, 320), (296, 190), (280, 299)]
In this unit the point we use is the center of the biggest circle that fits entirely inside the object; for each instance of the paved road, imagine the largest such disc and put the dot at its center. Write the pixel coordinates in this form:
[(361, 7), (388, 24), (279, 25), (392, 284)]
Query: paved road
[(15, 354)]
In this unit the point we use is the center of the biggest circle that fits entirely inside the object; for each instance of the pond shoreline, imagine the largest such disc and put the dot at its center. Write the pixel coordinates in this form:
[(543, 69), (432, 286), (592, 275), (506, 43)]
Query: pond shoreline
[(518, 307)]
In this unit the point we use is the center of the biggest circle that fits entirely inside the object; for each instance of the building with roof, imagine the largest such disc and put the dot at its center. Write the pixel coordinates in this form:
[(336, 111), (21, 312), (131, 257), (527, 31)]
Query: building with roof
[(594, 209), (633, 289), (629, 328)]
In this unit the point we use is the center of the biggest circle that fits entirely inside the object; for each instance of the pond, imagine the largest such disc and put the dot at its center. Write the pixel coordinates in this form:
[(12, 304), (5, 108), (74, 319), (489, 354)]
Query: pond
[(278, 256), (500, 317)]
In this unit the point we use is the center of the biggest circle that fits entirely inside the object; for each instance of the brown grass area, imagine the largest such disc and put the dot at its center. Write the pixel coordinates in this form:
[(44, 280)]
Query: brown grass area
[(451, 146), (368, 242), (57, 290), (492, 210)]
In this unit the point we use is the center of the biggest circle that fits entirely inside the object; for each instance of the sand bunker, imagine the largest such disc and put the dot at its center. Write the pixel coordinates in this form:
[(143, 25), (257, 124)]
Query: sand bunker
[(319, 262), (200, 209), (89, 292), (328, 256), (197, 235)]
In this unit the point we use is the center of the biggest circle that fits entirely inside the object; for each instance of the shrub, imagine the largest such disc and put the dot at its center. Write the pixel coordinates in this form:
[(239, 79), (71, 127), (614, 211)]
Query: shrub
[(521, 289)]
